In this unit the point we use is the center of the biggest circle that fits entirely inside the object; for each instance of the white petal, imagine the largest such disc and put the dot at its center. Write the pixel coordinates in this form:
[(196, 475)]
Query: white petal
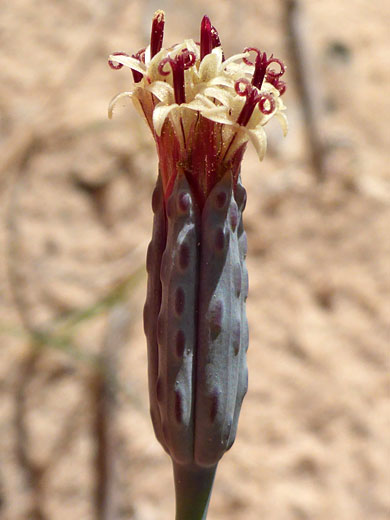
[(128, 61), (218, 115), (160, 114), (221, 81), (233, 58), (209, 66), (147, 54), (206, 102), (217, 93), (283, 122), (192, 47), (259, 139), (163, 91), (178, 122), (198, 105), (115, 100), (218, 52)]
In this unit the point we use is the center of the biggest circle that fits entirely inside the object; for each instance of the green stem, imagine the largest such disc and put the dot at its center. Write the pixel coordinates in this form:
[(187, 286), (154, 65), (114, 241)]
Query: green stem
[(193, 485)]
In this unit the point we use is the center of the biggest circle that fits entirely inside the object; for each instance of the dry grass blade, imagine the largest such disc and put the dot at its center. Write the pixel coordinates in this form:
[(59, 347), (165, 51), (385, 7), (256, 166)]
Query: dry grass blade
[(104, 396), (308, 86)]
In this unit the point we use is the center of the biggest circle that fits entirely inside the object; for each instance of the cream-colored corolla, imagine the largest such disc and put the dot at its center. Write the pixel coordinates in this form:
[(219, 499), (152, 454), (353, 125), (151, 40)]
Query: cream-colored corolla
[(182, 83)]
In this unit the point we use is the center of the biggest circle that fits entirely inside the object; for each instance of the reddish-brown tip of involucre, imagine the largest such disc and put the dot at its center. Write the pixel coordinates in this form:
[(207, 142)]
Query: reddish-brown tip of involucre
[(157, 35)]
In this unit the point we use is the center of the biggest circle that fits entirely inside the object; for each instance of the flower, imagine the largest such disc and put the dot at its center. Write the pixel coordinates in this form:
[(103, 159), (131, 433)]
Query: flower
[(202, 109)]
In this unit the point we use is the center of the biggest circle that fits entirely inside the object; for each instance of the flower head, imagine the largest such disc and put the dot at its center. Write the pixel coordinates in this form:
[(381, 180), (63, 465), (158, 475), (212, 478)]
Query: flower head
[(202, 108)]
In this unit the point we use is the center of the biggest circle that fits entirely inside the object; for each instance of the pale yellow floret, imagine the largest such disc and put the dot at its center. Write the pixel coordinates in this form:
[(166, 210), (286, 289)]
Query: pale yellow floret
[(209, 90)]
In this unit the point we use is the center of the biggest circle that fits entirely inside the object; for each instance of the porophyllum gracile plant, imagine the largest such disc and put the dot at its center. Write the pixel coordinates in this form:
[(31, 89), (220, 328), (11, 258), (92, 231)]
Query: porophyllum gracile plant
[(202, 109)]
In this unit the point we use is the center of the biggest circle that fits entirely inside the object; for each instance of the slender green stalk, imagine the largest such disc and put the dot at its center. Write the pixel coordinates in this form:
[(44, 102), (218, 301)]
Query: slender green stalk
[(193, 485)]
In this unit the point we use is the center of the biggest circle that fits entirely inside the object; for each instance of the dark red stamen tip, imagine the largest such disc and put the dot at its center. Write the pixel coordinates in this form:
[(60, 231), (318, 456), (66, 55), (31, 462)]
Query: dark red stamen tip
[(250, 49), (162, 64), (242, 87), (252, 97), (265, 101), (189, 58), (209, 38), (115, 65), (157, 35), (206, 41), (140, 55), (272, 72), (261, 65), (181, 62), (277, 83)]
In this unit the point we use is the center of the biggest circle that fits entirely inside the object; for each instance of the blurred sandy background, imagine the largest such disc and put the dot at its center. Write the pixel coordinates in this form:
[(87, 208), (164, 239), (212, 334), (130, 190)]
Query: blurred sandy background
[(75, 436)]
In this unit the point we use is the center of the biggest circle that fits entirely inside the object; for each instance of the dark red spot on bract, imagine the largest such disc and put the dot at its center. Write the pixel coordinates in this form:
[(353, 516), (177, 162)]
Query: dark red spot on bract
[(233, 217), (236, 337), (214, 404), (237, 279), (220, 239), (221, 199), (179, 301), (216, 316)]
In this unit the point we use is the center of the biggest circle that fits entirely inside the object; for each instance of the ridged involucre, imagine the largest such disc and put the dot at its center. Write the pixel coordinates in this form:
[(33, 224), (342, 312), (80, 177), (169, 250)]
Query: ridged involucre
[(195, 320)]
